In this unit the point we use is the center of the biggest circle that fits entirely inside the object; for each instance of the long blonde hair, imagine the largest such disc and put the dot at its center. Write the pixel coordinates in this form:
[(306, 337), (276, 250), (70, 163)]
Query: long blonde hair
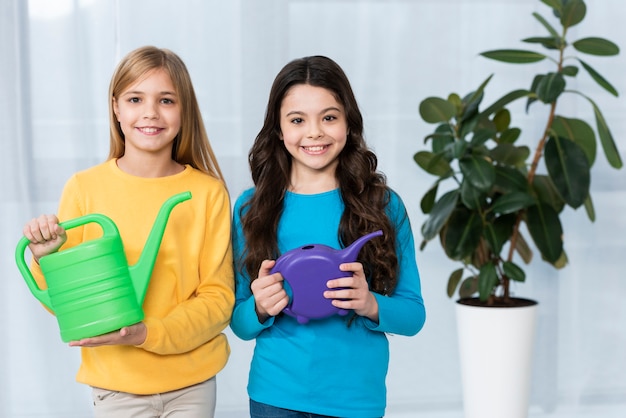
[(191, 145)]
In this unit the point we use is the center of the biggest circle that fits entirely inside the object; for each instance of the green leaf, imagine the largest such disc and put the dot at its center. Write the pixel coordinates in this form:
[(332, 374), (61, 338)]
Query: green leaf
[(573, 13), (578, 131), (561, 262), (462, 233), (545, 228), (439, 214), (443, 136), (456, 149), (505, 100), (513, 271), (467, 126), (569, 70), (606, 138), (599, 79), (569, 170), (469, 110), (472, 100), (550, 87), (551, 42), (557, 5), (437, 140), (608, 144), (471, 197), (428, 200), (546, 25), (492, 239), (502, 119), (453, 281), (591, 212), (547, 193), (514, 56), (468, 287), (481, 136), (487, 281), (478, 171), (509, 136), (512, 202), (509, 179), (499, 231), (436, 109), (509, 154), (596, 46), (533, 98), (432, 163), (455, 99)]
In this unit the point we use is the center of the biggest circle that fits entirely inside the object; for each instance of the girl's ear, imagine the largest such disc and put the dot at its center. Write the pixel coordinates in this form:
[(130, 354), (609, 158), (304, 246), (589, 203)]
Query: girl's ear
[(116, 109)]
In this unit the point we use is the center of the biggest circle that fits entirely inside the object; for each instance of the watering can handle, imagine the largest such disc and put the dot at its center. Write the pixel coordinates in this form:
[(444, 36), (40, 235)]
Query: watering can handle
[(42, 295), (108, 226)]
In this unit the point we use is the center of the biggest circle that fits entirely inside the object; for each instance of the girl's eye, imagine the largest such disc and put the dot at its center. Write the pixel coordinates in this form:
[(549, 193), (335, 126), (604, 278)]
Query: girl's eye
[(133, 100), (167, 101), (330, 117), (296, 120)]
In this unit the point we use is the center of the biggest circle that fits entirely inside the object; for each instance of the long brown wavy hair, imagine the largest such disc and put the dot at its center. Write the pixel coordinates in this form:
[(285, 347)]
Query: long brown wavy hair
[(191, 145), (363, 189)]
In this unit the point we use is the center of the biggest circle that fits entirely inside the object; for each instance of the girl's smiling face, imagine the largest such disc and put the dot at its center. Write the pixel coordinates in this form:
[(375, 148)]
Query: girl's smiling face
[(149, 114), (314, 130)]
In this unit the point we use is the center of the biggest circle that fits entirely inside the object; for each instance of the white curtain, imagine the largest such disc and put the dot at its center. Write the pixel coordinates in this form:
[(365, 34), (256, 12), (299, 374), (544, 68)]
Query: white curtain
[(56, 61)]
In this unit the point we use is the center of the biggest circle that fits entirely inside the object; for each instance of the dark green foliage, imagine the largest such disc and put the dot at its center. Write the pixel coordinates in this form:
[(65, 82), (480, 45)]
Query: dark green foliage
[(492, 184)]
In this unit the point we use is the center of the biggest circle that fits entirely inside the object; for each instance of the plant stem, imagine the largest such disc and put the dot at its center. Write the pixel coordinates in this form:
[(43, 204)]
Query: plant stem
[(546, 132), (531, 175), (541, 144)]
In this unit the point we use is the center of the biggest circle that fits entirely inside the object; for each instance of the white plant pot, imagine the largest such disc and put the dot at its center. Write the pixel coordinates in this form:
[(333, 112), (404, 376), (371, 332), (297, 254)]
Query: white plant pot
[(496, 350)]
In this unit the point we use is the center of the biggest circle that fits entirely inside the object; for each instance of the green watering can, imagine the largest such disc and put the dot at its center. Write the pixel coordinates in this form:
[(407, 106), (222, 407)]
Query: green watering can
[(91, 288)]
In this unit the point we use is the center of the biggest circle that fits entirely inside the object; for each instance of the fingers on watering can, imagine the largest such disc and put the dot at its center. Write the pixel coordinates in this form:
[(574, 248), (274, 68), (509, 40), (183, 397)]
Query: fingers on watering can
[(53, 228), (354, 267), (265, 268), (41, 229), (32, 231)]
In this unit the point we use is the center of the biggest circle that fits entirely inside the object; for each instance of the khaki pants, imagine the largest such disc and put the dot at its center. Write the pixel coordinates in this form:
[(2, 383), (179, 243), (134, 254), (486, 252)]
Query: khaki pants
[(197, 401)]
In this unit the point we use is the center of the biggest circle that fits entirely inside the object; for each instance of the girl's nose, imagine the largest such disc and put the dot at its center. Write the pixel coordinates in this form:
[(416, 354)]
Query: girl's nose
[(150, 111), (315, 131)]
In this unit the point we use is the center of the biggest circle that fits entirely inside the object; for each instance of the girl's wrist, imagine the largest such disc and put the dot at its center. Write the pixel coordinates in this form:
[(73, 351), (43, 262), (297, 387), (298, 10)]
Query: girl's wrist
[(372, 312), (262, 317)]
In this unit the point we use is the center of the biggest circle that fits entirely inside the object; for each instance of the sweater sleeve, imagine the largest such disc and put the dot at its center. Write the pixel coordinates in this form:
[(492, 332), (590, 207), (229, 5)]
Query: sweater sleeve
[(245, 322), (204, 316), (403, 312)]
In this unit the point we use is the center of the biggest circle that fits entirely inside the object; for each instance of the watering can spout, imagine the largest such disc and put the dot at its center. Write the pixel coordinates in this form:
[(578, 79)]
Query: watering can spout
[(142, 270), (352, 251)]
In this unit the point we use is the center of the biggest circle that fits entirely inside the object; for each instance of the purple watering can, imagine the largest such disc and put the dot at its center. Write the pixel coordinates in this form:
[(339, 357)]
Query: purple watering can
[(307, 269)]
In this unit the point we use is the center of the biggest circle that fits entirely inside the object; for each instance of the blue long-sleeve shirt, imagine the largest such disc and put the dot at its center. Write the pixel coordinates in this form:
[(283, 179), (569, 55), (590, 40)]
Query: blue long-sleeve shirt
[(325, 366)]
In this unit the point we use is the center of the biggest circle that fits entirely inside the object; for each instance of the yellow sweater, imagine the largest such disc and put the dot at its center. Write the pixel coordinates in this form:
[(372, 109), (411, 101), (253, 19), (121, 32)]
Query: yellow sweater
[(191, 291)]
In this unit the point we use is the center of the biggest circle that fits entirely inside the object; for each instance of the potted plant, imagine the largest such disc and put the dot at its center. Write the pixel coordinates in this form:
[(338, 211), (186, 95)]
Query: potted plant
[(494, 195)]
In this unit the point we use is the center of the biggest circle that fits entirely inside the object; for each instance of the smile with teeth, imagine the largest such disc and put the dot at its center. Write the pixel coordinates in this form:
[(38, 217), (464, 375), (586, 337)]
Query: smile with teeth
[(315, 148), (149, 130)]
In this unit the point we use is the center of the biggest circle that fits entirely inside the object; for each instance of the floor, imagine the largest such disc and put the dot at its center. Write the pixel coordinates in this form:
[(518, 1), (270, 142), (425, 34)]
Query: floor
[(603, 411)]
